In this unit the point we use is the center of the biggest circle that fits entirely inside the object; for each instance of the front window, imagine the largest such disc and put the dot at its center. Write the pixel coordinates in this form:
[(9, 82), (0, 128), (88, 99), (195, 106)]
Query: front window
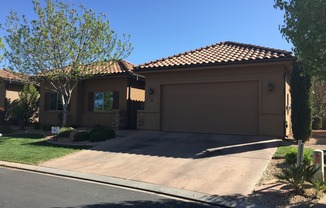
[(55, 102), (103, 101)]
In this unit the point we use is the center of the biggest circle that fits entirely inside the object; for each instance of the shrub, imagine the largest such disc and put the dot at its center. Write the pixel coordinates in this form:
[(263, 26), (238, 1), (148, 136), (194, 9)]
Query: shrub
[(46, 127), (97, 128), (6, 129), (36, 125), (319, 185), (317, 123), (110, 133), (301, 96), (65, 132), (291, 157), (81, 136), (98, 136), (26, 107), (297, 176)]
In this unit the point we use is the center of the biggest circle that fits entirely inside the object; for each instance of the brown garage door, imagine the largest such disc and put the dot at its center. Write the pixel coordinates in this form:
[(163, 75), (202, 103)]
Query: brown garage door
[(223, 107)]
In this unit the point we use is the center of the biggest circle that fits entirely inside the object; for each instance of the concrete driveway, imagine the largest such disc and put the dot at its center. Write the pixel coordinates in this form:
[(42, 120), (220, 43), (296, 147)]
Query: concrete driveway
[(207, 163)]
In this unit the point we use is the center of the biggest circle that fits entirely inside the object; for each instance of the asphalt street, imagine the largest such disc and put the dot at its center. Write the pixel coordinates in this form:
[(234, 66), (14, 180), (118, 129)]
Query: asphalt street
[(20, 189)]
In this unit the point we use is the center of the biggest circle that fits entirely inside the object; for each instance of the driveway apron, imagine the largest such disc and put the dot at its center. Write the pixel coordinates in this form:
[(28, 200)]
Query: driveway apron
[(207, 163)]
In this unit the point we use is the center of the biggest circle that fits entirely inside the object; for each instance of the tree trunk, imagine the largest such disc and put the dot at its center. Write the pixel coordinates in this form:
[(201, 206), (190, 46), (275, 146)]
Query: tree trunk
[(65, 103), (64, 116), (300, 152)]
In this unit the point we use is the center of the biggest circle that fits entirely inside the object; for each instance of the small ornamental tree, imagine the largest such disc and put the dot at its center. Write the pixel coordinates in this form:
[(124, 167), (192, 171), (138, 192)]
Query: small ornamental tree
[(62, 46), (301, 105)]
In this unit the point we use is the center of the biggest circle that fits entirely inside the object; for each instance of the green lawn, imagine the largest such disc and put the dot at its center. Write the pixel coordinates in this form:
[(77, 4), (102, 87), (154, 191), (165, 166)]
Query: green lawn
[(30, 149), (283, 150)]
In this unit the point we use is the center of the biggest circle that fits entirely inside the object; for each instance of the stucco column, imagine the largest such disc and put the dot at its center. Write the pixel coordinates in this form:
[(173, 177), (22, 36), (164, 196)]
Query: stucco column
[(2, 94)]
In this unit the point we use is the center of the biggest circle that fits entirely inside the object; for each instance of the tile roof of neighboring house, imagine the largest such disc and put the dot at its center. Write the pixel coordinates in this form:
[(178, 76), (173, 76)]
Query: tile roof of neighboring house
[(97, 69), (115, 68), (13, 76), (220, 53)]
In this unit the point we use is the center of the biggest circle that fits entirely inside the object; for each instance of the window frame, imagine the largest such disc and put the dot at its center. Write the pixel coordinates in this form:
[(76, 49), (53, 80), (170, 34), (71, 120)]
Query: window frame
[(49, 98), (103, 109), (115, 104)]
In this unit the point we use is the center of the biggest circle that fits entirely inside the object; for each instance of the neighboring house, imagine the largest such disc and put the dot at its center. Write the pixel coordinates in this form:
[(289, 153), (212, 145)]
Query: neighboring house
[(10, 85), (225, 88), (110, 97)]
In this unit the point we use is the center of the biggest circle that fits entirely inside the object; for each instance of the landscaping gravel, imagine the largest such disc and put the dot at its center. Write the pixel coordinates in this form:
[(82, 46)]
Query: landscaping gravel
[(270, 193)]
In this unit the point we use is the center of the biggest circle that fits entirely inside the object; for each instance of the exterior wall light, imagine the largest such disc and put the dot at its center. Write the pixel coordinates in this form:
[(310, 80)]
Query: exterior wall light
[(270, 87), (150, 91)]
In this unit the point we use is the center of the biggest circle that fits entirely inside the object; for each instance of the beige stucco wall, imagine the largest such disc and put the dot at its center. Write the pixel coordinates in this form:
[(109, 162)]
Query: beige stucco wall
[(79, 113), (47, 117), (271, 115), (9, 91), (101, 85), (12, 95), (136, 94)]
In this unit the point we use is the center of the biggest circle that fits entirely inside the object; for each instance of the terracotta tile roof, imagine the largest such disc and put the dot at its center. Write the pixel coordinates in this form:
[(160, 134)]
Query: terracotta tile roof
[(220, 53), (8, 75), (96, 69), (115, 68)]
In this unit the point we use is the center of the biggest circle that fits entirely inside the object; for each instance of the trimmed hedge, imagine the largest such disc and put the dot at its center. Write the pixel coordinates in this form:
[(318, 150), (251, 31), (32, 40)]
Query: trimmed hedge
[(97, 128), (98, 136), (110, 133), (81, 136), (101, 133)]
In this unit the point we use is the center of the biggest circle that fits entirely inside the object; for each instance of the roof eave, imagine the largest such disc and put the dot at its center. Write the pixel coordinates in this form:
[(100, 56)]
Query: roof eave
[(17, 82), (116, 74), (139, 70)]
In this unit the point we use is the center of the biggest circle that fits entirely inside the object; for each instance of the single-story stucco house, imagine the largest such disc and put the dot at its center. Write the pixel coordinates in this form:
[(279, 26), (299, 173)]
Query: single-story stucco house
[(110, 97), (11, 84), (225, 88)]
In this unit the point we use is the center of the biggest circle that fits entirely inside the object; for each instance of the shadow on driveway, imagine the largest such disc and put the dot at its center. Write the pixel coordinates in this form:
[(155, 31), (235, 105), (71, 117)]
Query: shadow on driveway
[(186, 145)]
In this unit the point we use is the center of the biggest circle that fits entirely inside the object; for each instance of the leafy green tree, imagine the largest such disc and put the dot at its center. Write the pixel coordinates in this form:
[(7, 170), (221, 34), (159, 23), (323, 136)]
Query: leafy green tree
[(301, 103), (1, 48), (25, 108), (305, 26), (319, 101), (63, 45)]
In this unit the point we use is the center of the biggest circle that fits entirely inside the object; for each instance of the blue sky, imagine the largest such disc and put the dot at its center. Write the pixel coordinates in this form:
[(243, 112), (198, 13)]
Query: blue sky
[(161, 28)]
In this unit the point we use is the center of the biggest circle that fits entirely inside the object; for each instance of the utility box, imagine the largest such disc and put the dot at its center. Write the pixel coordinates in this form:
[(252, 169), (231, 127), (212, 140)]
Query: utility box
[(318, 159)]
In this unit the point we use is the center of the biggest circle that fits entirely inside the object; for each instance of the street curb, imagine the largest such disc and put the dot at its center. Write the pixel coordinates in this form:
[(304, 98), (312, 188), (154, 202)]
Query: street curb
[(222, 201)]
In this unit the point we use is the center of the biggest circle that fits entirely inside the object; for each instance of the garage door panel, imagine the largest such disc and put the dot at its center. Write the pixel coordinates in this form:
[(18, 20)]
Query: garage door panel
[(225, 107)]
